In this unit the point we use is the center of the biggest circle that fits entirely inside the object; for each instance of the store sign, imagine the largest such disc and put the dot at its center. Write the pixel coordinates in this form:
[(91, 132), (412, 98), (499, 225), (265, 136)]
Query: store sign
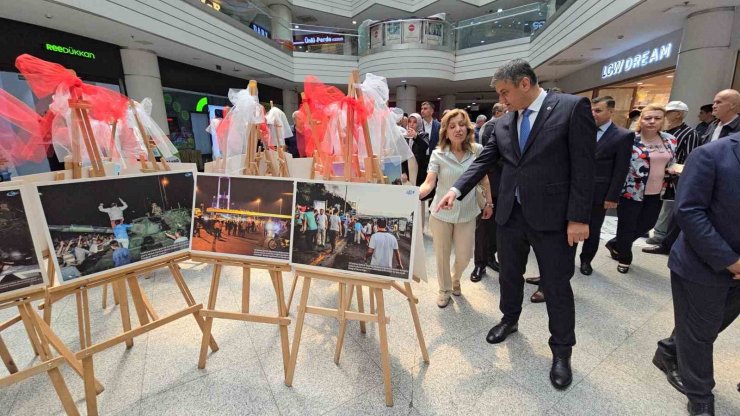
[(640, 60), (260, 30), (320, 40), (69, 51)]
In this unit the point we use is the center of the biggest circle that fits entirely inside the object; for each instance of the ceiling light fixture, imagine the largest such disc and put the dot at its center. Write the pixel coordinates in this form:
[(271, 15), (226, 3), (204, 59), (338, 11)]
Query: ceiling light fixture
[(48, 16), (669, 76), (354, 22), (295, 27), (403, 80), (639, 83), (499, 10)]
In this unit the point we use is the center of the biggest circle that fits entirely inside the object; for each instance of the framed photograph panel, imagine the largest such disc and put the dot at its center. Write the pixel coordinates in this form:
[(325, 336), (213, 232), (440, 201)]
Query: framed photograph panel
[(243, 216), (362, 229), (21, 263), (97, 225)]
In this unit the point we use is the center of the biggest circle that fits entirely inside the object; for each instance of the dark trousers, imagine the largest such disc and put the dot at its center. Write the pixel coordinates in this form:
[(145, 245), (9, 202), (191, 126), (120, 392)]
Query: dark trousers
[(485, 241), (556, 263), (700, 314), (635, 219), (310, 239), (672, 236), (591, 245), (332, 234)]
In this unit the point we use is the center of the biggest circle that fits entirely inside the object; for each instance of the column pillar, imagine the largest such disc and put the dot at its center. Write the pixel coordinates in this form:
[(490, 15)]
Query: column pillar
[(406, 98), (706, 62), (447, 103), (141, 75), (282, 17), (290, 103)]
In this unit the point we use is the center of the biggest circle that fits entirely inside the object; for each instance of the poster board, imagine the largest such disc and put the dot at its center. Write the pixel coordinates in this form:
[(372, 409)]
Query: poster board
[(83, 236), (392, 33), (376, 36), (21, 262), (412, 31), (433, 33), (243, 217), (371, 206)]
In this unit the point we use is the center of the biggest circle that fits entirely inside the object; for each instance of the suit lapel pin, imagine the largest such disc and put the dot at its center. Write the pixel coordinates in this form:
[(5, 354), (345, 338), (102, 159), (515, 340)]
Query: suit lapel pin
[(549, 108)]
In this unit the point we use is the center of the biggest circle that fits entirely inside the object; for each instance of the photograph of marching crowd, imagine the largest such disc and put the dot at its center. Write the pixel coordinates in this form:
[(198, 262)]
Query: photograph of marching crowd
[(243, 216), (98, 225), (362, 228), (19, 264)]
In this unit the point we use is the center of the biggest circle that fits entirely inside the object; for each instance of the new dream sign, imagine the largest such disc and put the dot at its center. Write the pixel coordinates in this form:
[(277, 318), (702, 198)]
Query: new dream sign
[(243, 216), (20, 265), (363, 229), (98, 225)]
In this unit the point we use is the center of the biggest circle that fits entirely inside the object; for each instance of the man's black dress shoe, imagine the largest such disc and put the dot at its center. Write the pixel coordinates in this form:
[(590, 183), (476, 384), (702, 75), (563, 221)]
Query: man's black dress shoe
[(612, 251), (659, 249), (537, 297), (493, 264), (533, 280), (478, 273), (499, 332), (669, 366), (586, 268), (700, 409), (561, 375)]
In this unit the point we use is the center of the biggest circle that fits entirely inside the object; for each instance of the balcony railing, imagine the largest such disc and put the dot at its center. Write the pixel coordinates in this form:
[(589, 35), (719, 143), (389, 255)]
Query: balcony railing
[(516, 23)]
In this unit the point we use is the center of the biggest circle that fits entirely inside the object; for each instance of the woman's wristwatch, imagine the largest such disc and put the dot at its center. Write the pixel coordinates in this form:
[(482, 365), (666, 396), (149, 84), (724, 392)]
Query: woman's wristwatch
[(489, 204)]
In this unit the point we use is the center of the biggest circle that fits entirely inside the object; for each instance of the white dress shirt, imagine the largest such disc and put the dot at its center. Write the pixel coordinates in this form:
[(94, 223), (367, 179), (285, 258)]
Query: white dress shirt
[(718, 130), (602, 129)]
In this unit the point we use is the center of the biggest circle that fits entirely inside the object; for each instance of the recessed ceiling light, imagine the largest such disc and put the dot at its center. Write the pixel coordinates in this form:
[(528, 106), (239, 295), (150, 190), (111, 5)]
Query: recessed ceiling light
[(499, 10), (483, 41), (473, 104), (354, 22), (439, 98), (295, 27), (639, 83), (403, 80), (669, 76), (48, 16)]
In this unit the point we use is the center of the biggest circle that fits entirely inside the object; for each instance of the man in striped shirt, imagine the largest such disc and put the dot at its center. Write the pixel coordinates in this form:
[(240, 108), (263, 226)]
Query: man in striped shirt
[(688, 140)]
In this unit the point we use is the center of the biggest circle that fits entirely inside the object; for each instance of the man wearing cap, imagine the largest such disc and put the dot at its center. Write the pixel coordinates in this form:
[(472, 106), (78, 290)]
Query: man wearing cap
[(688, 140)]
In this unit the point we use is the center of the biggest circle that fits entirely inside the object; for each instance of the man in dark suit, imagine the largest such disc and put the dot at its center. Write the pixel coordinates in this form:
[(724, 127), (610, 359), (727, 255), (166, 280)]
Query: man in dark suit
[(429, 125), (725, 108), (705, 269), (546, 145), (613, 152)]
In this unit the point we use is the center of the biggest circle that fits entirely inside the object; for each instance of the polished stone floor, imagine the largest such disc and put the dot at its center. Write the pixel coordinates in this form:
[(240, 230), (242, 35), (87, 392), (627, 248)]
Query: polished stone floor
[(619, 319)]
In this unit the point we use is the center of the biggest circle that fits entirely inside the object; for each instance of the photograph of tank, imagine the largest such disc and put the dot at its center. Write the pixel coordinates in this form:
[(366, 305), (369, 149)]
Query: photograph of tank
[(19, 257), (361, 228), (243, 216), (98, 225)]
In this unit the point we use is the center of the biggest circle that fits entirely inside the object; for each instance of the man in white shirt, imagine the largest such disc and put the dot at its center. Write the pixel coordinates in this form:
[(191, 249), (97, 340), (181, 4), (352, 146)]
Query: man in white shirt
[(115, 213), (321, 221), (382, 247), (725, 107), (334, 228)]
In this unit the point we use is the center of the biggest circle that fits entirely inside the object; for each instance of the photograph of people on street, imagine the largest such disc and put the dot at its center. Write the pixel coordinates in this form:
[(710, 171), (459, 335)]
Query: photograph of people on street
[(19, 261), (361, 228), (99, 225), (243, 216)]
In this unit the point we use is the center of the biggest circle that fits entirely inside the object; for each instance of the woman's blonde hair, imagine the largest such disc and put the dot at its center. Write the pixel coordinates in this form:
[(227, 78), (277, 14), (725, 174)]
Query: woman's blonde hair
[(650, 107), (444, 141)]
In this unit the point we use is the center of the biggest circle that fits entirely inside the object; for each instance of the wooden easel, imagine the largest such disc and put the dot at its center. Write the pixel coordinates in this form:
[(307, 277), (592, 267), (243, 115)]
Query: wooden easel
[(253, 157), (42, 340), (281, 320), (150, 164), (120, 281), (348, 284)]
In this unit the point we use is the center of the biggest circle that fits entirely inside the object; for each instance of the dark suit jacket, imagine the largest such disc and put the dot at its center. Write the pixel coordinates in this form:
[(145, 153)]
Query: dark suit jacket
[(613, 154), (494, 174), (433, 136), (708, 213), (733, 127), (554, 173)]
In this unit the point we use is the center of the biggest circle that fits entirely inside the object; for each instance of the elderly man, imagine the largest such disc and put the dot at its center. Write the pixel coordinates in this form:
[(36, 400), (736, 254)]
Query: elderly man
[(688, 140), (725, 107), (479, 122)]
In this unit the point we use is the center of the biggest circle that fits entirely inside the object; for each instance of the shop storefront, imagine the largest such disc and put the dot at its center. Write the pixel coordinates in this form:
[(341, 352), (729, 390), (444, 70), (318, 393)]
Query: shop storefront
[(635, 78), (94, 62)]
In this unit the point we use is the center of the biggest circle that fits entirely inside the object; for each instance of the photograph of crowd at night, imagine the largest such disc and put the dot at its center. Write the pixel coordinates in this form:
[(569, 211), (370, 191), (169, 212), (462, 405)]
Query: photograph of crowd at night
[(19, 261), (243, 216), (361, 228), (99, 225)]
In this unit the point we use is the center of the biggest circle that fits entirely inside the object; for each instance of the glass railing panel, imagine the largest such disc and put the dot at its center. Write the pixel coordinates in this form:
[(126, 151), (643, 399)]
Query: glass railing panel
[(515, 23)]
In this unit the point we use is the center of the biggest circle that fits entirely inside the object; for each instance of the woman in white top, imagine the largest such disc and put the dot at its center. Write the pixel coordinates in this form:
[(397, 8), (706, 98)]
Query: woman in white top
[(454, 227)]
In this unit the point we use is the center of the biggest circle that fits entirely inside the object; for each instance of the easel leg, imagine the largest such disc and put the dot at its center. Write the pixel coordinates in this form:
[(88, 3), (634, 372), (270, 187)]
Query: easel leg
[(41, 344), (86, 311), (292, 291), (105, 297), (277, 281), (372, 300), (189, 299), (47, 308), (208, 324), (417, 323), (80, 320), (298, 330), (133, 285), (246, 285), (361, 307), (29, 330), (384, 354), (88, 378), (119, 291), (345, 300), (7, 358)]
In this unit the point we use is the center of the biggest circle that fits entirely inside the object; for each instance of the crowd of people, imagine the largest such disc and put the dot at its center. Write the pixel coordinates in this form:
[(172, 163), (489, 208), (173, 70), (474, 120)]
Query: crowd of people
[(551, 166)]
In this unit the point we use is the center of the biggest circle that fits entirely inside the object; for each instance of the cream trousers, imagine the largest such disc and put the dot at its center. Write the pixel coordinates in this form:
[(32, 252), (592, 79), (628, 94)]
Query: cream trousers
[(445, 236)]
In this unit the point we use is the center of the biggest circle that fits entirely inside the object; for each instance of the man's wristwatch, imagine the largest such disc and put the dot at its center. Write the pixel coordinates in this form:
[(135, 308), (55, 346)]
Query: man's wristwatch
[(488, 204)]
